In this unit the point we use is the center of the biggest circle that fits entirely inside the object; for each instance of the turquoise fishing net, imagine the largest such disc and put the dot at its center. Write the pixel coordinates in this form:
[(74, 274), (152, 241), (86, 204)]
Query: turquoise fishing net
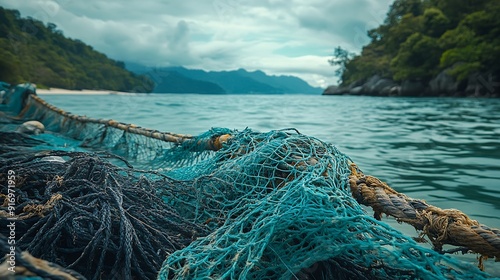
[(279, 207), (273, 205)]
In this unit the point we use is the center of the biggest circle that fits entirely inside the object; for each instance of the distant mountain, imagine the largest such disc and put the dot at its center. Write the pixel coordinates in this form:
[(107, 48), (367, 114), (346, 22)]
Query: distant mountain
[(173, 82), (289, 84), (233, 82), (137, 68)]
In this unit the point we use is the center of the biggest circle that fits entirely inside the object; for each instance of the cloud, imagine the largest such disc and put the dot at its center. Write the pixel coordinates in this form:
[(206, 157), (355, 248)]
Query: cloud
[(348, 20), (276, 36)]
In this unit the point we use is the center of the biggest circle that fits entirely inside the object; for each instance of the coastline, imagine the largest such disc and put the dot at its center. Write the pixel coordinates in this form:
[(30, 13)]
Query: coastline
[(442, 85), (51, 91)]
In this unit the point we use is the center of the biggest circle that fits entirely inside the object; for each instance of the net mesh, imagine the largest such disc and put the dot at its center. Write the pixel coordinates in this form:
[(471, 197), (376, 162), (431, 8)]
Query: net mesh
[(280, 207), (221, 205)]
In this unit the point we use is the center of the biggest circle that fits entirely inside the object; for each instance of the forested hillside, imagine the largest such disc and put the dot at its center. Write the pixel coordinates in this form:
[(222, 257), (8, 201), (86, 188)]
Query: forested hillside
[(33, 52), (421, 39)]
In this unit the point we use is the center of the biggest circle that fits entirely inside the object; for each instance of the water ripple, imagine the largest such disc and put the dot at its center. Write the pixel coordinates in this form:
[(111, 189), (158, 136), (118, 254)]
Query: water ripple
[(443, 150)]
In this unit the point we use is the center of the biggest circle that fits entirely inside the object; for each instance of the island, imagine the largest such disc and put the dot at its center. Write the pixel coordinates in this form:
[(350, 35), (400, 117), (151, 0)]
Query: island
[(427, 48)]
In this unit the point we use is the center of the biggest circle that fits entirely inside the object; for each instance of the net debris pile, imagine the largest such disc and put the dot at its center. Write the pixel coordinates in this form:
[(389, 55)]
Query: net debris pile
[(82, 212), (283, 209), (221, 205)]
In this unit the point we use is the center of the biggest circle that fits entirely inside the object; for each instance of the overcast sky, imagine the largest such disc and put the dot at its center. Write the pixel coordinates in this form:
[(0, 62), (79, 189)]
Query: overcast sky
[(290, 37)]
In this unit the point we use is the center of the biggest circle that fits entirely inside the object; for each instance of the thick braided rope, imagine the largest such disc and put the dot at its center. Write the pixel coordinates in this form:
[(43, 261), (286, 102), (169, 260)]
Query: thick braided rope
[(441, 226), (214, 143)]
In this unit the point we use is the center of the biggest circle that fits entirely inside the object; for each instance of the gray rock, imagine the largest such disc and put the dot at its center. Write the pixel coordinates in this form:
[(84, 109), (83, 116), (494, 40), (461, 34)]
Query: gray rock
[(443, 84), (412, 88), (476, 85), (330, 90), (482, 85), (375, 85), (387, 90), (356, 90), (369, 86), (395, 91), (383, 87)]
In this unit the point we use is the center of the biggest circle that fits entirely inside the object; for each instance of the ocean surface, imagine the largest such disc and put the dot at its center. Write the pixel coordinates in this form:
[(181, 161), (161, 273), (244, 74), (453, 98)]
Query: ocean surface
[(443, 150)]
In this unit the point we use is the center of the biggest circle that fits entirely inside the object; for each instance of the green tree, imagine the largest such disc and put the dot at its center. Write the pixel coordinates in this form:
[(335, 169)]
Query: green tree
[(418, 57), (420, 38), (456, 10), (32, 51), (400, 8), (435, 23), (341, 58)]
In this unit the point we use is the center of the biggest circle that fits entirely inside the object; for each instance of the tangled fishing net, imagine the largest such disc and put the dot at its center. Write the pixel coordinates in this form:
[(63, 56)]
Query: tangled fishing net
[(221, 205)]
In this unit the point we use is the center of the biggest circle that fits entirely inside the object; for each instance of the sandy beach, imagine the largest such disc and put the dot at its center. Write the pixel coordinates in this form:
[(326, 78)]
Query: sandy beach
[(84, 91)]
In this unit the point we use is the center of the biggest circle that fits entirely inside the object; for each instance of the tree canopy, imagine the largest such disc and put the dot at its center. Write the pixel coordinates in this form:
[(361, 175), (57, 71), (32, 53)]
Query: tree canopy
[(38, 53), (420, 38)]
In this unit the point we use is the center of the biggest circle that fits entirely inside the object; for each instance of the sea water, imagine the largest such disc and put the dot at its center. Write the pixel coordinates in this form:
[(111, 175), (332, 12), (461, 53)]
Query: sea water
[(443, 150)]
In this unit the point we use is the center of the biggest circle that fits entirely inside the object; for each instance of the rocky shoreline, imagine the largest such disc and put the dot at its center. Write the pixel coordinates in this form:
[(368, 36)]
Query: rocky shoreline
[(476, 85)]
